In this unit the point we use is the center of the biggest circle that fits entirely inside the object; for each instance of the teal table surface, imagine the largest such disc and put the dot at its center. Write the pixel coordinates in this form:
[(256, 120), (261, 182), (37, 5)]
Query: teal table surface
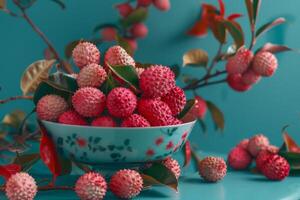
[(235, 186)]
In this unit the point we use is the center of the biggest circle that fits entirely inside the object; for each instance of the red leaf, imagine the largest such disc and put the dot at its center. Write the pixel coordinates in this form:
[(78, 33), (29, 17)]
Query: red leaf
[(8, 170), (199, 29), (187, 153), (222, 7), (274, 48), (290, 144), (48, 153), (234, 16)]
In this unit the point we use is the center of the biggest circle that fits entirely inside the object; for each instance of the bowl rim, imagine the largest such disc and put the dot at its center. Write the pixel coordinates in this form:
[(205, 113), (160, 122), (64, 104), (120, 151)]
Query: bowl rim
[(119, 128)]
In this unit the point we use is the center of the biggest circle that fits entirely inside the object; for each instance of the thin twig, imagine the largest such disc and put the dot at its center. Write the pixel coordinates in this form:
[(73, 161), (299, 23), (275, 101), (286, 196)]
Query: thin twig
[(211, 83), (42, 35), (15, 98)]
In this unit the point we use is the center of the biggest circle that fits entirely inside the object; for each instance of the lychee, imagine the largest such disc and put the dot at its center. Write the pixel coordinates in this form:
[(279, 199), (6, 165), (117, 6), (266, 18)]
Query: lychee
[(240, 62), (163, 5), (109, 33), (139, 30), (212, 169), (144, 3), (272, 149), (21, 186), (265, 63), (236, 83), (276, 167), (121, 102), (86, 53), (50, 107), (135, 120), (239, 158), (243, 143), (104, 121), (116, 55), (71, 117), (124, 9), (250, 77), (261, 158), (91, 186), (92, 75), (88, 101), (126, 183), (175, 99), (157, 81), (257, 143), (132, 44), (172, 165)]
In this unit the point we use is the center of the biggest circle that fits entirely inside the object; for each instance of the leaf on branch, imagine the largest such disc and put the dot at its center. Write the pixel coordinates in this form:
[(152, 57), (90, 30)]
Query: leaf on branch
[(26, 161), (8, 170), (219, 31), (256, 7), (275, 48), (14, 119), (195, 57), (2, 4), (138, 15), (236, 32), (158, 174), (216, 114), (188, 113), (34, 74), (60, 3), (266, 27), (249, 5)]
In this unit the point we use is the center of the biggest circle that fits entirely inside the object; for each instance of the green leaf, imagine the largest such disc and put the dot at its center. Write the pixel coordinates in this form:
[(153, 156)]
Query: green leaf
[(26, 161), (236, 32), (292, 158), (275, 48), (217, 115), (195, 57), (69, 48), (256, 7), (106, 25), (137, 16), (219, 31), (127, 73), (266, 27), (159, 174), (124, 44), (109, 84), (2, 4), (187, 115), (249, 6), (60, 3)]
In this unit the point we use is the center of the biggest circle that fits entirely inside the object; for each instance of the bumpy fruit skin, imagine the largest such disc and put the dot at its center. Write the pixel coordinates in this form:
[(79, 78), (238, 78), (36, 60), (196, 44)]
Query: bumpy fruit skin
[(163, 5), (71, 117), (124, 9), (239, 158), (257, 143), (172, 165), (157, 81), (104, 121), (86, 53), (144, 3), (126, 183), (135, 120), (89, 102), (139, 30), (109, 33), (236, 83), (276, 167), (261, 158), (212, 169), (265, 63), (92, 75), (244, 143), (175, 99), (116, 55), (155, 111), (21, 186), (50, 107), (272, 149), (91, 186), (240, 62), (250, 77), (121, 102)]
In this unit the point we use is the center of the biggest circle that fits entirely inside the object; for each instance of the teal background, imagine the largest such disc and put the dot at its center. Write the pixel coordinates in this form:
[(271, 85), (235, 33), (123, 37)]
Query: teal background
[(270, 105)]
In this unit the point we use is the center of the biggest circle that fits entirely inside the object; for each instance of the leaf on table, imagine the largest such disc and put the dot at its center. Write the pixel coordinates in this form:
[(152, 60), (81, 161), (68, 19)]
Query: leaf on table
[(195, 57), (275, 48), (26, 161), (158, 174), (187, 153), (216, 114), (14, 119), (138, 15), (8, 170), (34, 74), (235, 31), (290, 144), (266, 27), (2, 4)]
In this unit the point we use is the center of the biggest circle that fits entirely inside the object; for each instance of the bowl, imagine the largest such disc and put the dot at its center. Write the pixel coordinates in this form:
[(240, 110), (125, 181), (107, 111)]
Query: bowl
[(107, 145)]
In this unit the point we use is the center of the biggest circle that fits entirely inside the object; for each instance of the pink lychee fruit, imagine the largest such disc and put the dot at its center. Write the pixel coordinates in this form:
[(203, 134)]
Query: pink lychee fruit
[(265, 63), (124, 9), (144, 3), (175, 99), (92, 75), (250, 77), (276, 167), (240, 62), (116, 55), (132, 44), (91, 186), (163, 5), (212, 169), (21, 186), (243, 143), (71, 117), (172, 165), (261, 158), (104, 121), (109, 33), (126, 183), (135, 120), (157, 81), (139, 30), (50, 107), (257, 143), (88, 101), (236, 83), (239, 158), (121, 102), (85, 53)]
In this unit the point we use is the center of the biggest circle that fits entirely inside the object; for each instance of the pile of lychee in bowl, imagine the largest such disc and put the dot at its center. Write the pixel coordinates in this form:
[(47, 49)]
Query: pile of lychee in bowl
[(135, 120)]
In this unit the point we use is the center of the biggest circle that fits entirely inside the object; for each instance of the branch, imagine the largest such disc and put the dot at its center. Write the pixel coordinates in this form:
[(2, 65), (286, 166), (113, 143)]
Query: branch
[(42, 35), (211, 83), (15, 98)]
